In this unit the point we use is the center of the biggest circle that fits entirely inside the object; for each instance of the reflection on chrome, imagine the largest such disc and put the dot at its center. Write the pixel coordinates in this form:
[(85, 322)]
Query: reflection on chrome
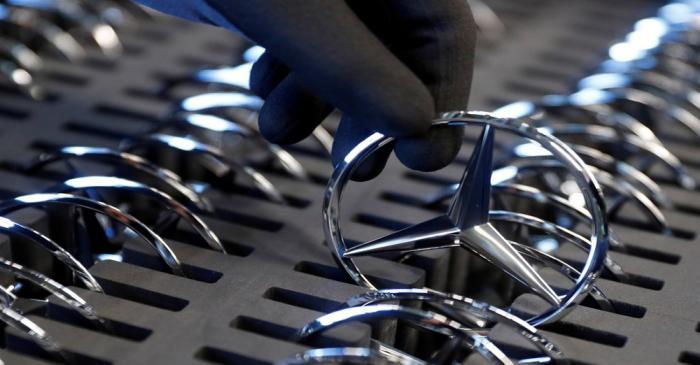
[(14, 229), (141, 190), (200, 124), (218, 163), (466, 223), (171, 182), (145, 233), (61, 292), (429, 321)]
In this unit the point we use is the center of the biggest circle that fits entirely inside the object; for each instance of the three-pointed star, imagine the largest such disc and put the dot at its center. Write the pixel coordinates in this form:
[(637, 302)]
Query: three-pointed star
[(466, 224)]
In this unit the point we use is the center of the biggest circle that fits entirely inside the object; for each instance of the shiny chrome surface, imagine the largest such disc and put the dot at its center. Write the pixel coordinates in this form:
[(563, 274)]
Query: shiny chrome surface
[(14, 229), (31, 22), (349, 355), (480, 314), (429, 321), (224, 128), (211, 102), (138, 189), (217, 161), (61, 292), (146, 234), (102, 34), (640, 138), (169, 179), (445, 231), (558, 232), (35, 333), (539, 164)]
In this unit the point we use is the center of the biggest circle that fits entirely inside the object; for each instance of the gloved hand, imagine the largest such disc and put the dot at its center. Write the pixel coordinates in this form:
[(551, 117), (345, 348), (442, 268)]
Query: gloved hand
[(387, 65)]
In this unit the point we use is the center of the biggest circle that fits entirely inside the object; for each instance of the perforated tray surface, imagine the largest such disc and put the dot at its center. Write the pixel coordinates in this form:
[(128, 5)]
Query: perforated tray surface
[(244, 308)]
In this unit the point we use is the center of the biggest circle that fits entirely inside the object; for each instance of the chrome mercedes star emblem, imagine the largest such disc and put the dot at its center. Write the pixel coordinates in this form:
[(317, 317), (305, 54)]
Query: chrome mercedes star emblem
[(466, 223)]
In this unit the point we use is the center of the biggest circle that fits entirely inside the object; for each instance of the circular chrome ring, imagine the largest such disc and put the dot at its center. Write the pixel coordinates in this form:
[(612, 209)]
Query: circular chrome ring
[(478, 312), (12, 228), (37, 334), (593, 197), (119, 184), (216, 159), (150, 237), (60, 291), (427, 320), (347, 355), (168, 178)]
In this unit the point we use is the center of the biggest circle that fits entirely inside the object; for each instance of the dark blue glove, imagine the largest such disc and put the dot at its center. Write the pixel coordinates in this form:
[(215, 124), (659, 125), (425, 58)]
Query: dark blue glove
[(387, 65)]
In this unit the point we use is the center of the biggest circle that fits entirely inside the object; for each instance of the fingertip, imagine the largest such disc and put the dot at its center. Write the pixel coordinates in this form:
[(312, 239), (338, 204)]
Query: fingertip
[(406, 111), (348, 135), (372, 166), (291, 112), (432, 151), (267, 72)]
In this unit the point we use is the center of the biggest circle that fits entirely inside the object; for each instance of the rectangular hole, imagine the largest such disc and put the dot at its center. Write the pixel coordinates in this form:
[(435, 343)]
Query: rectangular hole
[(428, 179), (25, 346), (100, 63), (126, 113), (621, 308), (301, 300), (673, 231), (634, 279), (586, 333), (276, 170), (324, 271), (248, 220), (66, 78), (264, 328), (120, 329), (154, 262), (94, 130), (256, 193), (218, 356), (143, 296), (13, 113), (380, 222), (691, 358), (337, 274), (649, 254), (232, 248)]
